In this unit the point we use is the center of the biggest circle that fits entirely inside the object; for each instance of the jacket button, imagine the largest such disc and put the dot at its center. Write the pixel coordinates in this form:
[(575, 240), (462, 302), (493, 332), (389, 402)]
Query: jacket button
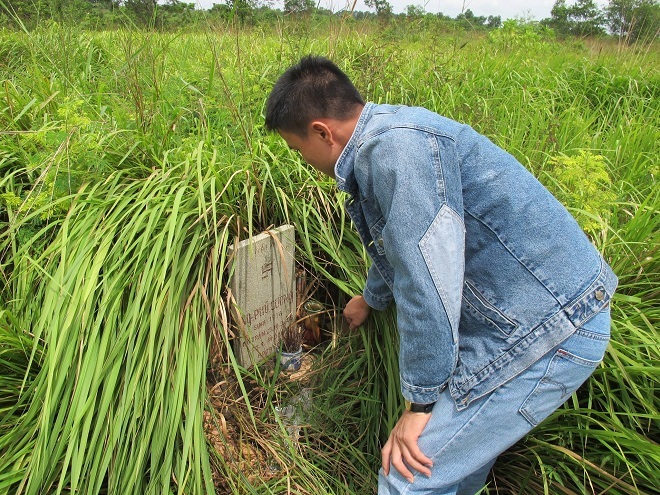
[(380, 242), (600, 295)]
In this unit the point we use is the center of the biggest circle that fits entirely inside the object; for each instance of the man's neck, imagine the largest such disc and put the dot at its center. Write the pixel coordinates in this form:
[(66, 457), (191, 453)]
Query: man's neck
[(345, 128)]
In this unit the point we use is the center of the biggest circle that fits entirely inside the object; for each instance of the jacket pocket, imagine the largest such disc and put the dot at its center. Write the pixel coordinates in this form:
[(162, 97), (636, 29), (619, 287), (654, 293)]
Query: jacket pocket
[(486, 312)]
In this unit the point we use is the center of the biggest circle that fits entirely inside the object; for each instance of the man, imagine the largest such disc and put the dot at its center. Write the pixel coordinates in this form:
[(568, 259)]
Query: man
[(502, 302)]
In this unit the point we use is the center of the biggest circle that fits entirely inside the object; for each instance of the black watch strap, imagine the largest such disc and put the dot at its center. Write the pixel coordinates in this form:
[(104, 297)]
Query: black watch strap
[(419, 408)]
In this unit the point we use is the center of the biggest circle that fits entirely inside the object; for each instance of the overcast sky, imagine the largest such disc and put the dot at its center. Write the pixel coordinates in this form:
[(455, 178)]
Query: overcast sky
[(507, 9)]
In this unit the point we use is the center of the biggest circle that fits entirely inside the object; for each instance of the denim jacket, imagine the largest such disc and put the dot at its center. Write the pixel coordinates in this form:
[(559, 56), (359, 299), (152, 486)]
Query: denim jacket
[(488, 270)]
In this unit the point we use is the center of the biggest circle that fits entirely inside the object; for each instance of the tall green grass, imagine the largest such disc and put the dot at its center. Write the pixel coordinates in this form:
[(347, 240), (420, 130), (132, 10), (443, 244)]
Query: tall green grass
[(130, 161)]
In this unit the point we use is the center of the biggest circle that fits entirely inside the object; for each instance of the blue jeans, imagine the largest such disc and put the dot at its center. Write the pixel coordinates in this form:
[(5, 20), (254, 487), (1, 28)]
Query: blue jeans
[(464, 444)]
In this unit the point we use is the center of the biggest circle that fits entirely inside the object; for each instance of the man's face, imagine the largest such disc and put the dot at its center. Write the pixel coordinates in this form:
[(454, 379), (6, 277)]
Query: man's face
[(315, 150)]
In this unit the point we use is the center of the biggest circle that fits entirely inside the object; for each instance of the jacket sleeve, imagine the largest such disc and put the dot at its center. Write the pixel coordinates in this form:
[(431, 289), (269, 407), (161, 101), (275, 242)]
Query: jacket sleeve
[(416, 182), (377, 293)]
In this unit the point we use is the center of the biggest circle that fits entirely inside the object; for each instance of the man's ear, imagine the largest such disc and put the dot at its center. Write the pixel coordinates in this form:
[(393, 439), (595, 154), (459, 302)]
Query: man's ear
[(321, 130)]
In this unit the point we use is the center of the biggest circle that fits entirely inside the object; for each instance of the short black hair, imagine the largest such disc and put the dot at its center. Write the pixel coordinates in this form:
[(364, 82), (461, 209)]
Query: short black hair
[(313, 88)]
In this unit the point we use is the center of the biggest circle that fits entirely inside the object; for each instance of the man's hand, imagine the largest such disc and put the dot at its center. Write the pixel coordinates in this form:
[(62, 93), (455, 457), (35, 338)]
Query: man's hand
[(402, 446), (356, 311)]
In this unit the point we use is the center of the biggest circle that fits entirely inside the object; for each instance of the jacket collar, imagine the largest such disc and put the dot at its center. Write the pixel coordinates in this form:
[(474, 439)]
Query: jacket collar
[(344, 173)]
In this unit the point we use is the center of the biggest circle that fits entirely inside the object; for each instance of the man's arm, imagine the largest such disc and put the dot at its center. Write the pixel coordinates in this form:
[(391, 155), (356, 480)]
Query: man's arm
[(415, 180), (376, 292), (423, 239)]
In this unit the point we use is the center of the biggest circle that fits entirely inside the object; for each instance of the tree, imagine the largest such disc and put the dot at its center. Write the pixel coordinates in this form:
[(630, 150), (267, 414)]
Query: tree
[(587, 18), (583, 18), (29, 13), (23, 11), (383, 8), (414, 11), (144, 11), (493, 21), (176, 13), (632, 20), (470, 20), (559, 18), (299, 6), (242, 9)]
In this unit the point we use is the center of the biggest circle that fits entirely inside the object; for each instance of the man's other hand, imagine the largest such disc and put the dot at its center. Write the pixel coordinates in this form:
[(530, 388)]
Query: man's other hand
[(356, 311), (401, 449)]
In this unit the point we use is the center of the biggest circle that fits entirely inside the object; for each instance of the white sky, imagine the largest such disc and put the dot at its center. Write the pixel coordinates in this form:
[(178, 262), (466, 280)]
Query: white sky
[(507, 9)]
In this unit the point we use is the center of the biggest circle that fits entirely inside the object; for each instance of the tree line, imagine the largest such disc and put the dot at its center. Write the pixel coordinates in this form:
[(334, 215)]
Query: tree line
[(630, 20)]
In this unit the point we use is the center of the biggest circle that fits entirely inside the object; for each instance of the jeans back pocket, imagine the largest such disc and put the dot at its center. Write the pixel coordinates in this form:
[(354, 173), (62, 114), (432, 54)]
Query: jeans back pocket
[(572, 363)]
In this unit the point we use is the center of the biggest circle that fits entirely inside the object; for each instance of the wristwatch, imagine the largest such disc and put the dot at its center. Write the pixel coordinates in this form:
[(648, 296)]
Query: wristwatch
[(419, 408)]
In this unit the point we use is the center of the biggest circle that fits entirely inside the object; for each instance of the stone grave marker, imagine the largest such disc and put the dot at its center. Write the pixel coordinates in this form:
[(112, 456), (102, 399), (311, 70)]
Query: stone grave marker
[(263, 286)]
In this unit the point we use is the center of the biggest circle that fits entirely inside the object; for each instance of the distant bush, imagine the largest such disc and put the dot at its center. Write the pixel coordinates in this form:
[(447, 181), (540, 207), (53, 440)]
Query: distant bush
[(520, 34)]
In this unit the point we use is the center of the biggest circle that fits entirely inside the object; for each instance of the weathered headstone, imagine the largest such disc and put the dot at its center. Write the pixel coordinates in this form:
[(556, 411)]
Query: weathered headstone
[(263, 286)]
